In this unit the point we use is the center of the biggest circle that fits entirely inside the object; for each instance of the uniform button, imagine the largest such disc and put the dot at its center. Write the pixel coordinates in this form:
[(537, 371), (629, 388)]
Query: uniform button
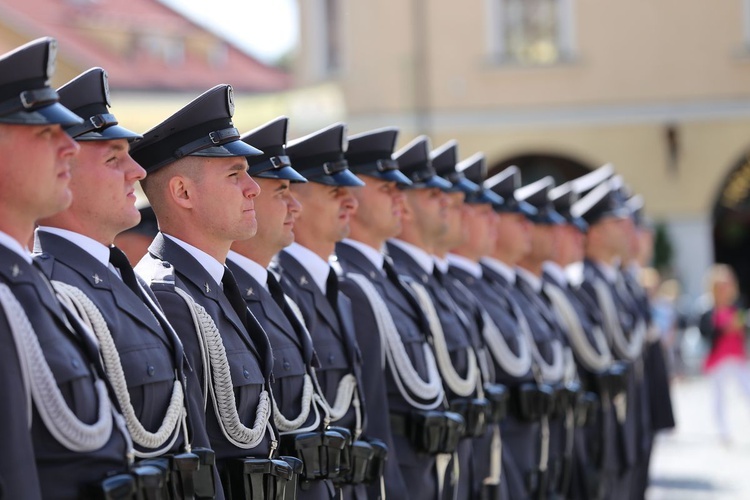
[(246, 373), (75, 363), (151, 371), (165, 264), (331, 357), (44, 256), (287, 365)]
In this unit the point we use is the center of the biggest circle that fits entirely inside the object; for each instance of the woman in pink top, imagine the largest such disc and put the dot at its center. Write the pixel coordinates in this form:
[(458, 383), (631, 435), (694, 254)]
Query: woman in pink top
[(726, 326)]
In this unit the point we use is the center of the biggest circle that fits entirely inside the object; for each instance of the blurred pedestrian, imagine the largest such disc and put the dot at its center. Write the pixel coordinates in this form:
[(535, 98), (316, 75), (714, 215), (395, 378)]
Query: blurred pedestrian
[(724, 325), (665, 317)]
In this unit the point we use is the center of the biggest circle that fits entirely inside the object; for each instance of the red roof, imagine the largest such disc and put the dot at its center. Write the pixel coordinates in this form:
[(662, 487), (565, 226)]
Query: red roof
[(143, 45)]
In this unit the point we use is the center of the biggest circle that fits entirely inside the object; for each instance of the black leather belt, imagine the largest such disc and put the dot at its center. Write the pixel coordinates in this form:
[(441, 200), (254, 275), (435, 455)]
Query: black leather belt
[(531, 402), (430, 431)]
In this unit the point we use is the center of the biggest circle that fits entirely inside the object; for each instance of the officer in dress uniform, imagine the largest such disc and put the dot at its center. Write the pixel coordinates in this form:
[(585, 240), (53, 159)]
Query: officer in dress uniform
[(547, 330), (203, 197), (424, 222), (58, 426), (658, 414), (276, 210), (526, 430), (606, 215), (143, 356), (463, 193), (311, 282), (399, 376), (596, 441), (510, 357)]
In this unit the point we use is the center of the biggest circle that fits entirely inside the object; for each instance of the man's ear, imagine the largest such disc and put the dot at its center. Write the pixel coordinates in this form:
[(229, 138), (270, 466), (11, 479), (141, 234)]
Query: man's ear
[(181, 190)]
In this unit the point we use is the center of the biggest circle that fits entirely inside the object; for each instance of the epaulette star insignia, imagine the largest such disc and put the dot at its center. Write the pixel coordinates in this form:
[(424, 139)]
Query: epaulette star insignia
[(249, 292), (97, 279), (208, 288), (303, 281), (15, 270)]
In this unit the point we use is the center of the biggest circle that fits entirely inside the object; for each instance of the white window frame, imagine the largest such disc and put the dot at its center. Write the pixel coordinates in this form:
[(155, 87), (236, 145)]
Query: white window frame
[(566, 40)]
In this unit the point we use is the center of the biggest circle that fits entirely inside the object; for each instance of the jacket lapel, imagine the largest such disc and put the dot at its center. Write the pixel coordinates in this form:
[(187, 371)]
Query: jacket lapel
[(192, 271), (304, 281), (99, 278), (255, 293)]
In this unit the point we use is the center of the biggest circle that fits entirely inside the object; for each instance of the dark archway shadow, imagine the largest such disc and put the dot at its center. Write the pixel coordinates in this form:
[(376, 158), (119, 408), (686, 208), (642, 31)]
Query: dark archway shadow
[(534, 166), (731, 222)]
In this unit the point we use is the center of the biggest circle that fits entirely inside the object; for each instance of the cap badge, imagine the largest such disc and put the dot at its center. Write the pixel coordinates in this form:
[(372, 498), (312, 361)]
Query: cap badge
[(230, 100), (105, 88), (51, 58)]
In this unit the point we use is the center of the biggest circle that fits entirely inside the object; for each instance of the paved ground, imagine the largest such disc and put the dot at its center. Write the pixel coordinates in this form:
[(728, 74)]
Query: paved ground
[(692, 463)]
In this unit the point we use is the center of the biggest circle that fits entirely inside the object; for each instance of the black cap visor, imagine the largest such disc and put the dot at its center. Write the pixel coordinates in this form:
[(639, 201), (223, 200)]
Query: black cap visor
[(579, 224), (484, 197), (109, 134), (431, 182), (233, 148), (340, 178), (548, 217), (285, 173), (54, 114), (464, 185)]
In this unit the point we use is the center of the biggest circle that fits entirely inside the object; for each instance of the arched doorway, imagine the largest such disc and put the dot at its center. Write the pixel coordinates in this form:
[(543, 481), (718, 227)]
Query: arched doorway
[(534, 166), (731, 222)]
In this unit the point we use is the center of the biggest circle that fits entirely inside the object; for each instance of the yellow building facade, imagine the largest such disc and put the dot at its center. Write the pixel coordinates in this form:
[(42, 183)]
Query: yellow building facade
[(661, 89)]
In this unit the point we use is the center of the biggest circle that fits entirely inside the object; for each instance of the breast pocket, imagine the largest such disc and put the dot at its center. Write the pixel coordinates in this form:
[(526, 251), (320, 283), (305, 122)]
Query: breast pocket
[(150, 377), (247, 381), (73, 376), (334, 364), (289, 372)]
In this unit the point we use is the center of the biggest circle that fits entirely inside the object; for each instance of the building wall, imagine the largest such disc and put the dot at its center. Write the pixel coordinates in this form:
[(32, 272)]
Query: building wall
[(635, 73)]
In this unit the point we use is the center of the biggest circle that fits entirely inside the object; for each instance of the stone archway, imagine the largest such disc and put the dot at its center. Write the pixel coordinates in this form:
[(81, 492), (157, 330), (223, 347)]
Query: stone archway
[(731, 222), (534, 166)]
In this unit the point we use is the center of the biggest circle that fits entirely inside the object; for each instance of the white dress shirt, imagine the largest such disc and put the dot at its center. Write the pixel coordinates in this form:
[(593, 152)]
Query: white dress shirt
[(317, 267), (211, 265), (258, 272)]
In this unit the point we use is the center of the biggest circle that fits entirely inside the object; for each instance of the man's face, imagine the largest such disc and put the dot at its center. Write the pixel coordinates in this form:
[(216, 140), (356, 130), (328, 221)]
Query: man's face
[(479, 221), (543, 242), (276, 210), (223, 199), (35, 162), (455, 233), (380, 207), (326, 210), (513, 236), (570, 245), (613, 234), (428, 208), (103, 186)]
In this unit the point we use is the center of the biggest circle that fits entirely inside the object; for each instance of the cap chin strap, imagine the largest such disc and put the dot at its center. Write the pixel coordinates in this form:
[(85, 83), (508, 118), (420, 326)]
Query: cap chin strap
[(215, 138), (29, 100), (92, 124)]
